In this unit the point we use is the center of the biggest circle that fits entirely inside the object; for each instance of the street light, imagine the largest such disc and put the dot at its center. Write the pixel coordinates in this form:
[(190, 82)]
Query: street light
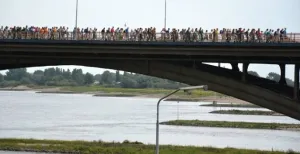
[(76, 13), (157, 110), (165, 24), (76, 19), (177, 110)]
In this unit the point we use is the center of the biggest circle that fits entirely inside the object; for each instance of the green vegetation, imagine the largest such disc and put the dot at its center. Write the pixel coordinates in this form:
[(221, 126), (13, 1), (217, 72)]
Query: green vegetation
[(227, 124), (76, 77), (232, 105), (135, 91), (107, 83), (246, 112), (183, 99), (115, 95), (126, 147), (60, 77)]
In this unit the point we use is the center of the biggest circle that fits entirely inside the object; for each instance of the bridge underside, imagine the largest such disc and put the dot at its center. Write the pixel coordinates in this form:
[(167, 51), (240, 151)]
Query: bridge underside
[(263, 92)]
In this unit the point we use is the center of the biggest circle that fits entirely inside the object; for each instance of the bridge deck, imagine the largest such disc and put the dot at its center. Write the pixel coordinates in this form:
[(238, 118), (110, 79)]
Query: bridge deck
[(195, 51)]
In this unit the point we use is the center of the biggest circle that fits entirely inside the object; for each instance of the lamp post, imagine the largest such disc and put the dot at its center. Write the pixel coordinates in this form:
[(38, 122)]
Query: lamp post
[(165, 24), (76, 19), (76, 13), (157, 110), (177, 110)]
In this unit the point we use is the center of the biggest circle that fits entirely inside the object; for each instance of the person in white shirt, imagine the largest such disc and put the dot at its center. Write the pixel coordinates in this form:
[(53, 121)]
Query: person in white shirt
[(1, 32)]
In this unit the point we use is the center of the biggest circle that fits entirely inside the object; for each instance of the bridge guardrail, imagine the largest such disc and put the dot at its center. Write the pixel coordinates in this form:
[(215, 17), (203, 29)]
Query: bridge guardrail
[(169, 37)]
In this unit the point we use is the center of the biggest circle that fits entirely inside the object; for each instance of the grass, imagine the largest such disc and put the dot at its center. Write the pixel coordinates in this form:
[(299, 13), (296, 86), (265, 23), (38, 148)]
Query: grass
[(84, 147), (125, 91), (246, 112), (136, 91), (115, 95), (232, 105), (227, 124)]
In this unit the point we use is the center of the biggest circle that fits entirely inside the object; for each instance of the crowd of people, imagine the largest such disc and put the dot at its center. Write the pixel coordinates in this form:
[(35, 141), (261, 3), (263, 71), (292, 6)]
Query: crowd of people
[(145, 34)]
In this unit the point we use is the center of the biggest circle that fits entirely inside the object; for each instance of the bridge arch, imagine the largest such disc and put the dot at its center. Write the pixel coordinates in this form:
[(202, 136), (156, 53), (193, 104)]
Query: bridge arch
[(189, 73)]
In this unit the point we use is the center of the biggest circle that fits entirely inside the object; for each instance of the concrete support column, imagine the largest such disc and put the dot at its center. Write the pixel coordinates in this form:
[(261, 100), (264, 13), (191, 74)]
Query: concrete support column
[(245, 72), (235, 67), (296, 82), (282, 74)]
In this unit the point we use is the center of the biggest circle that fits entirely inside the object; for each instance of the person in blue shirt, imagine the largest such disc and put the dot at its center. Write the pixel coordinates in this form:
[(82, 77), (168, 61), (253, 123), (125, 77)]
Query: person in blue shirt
[(284, 32), (127, 33)]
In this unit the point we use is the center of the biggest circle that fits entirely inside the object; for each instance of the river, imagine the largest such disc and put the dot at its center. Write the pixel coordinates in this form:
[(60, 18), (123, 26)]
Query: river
[(83, 117)]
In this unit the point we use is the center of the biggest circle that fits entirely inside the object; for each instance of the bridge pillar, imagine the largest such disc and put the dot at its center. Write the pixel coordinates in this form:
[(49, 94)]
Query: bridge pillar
[(235, 67), (282, 80), (296, 82), (245, 71)]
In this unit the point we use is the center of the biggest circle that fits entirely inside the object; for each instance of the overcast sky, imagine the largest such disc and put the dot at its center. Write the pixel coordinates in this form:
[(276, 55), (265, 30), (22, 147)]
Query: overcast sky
[(145, 13)]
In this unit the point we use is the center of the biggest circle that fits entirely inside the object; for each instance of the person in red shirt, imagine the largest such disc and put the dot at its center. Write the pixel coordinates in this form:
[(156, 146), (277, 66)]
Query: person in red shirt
[(258, 35), (112, 33)]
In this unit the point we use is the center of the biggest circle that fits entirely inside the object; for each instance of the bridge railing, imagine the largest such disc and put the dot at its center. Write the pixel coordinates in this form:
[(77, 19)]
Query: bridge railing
[(168, 37)]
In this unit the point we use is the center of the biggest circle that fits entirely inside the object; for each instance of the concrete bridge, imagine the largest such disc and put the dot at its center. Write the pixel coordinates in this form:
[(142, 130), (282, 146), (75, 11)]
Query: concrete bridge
[(182, 62)]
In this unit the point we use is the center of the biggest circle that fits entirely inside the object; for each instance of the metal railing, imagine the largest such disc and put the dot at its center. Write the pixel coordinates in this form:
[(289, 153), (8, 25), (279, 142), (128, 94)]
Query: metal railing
[(167, 37)]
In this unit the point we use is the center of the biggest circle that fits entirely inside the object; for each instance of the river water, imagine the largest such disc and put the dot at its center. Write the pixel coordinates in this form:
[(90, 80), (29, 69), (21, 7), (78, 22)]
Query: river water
[(83, 117)]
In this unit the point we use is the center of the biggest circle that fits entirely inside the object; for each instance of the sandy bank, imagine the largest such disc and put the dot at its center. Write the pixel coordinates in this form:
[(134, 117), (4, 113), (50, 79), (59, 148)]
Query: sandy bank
[(58, 90)]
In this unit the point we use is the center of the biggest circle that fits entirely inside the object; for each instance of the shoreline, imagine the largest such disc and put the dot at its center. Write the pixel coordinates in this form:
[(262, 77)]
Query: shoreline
[(247, 112), (125, 147), (232, 105), (233, 124), (127, 93)]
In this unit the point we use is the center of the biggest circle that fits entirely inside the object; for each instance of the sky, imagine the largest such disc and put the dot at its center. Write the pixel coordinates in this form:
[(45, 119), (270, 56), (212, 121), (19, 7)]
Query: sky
[(207, 14)]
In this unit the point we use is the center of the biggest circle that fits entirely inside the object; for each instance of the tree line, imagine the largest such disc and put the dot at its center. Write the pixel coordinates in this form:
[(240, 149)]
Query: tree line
[(273, 76), (76, 77), (60, 77)]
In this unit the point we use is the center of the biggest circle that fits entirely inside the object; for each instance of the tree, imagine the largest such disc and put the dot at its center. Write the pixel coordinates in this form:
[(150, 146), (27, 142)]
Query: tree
[(49, 73), (125, 74), (1, 78), (253, 73), (106, 78), (38, 72), (25, 80), (58, 71), (78, 76), (16, 74), (289, 82), (67, 74), (143, 81), (97, 77), (38, 77), (276, 77), (59, 77), (88, 79), (128, 82), (118, 76), (273, 76)]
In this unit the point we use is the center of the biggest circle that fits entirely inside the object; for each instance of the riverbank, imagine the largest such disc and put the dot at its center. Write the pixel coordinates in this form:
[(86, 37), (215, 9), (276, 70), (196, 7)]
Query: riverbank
[(98, 91), (126, 147), (237, 105), (247, 112), (228, 124)]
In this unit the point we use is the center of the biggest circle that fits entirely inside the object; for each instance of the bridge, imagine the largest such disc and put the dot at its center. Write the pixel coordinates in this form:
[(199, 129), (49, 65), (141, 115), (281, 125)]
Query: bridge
[(178, 61)]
